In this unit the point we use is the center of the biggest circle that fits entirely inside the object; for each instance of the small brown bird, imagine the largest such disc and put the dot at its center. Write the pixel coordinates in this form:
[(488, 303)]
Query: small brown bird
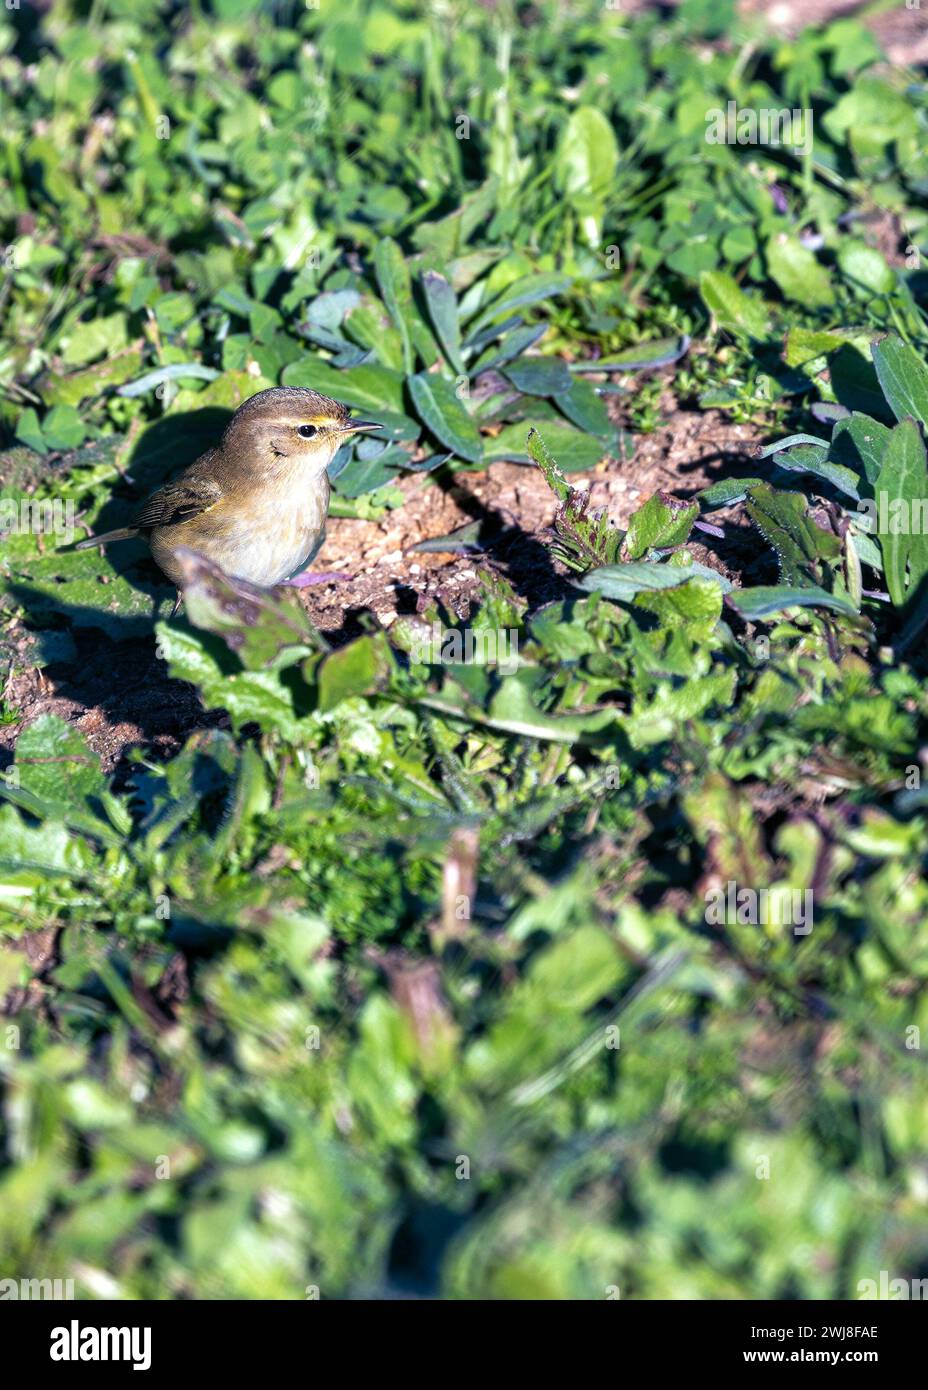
[(257, 504)]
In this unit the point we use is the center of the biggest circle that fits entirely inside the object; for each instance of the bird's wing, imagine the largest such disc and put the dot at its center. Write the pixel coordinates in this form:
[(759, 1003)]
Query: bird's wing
[(189, 495)]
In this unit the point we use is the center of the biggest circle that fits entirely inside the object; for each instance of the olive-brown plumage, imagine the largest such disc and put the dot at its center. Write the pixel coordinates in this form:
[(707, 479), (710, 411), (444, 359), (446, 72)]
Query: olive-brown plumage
[(256, 505)]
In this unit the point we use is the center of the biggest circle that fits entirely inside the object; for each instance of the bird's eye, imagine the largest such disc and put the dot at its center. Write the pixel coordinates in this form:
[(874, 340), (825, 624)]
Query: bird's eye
[(306, 431)]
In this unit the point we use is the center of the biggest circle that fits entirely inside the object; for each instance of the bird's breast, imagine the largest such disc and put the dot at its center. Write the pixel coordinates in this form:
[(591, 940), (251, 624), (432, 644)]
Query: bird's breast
[(265, 537)]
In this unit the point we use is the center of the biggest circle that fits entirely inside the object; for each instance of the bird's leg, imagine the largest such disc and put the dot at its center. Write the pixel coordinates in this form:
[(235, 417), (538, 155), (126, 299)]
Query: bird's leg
[(177, 603), (303, 581)]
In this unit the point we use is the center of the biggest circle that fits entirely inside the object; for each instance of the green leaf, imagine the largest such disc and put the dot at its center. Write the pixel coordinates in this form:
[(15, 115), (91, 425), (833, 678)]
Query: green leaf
[(512, 344), (91, 381), (396, 292), (575, 452), (658, 352), (259, 697), (512, 710), (443, 311), (587, 154), (662, 521), (695, 605), (440, 410), (865, 268), (799, 275), (903, 377), (56, 763), (174, 371), (901, 506), (802, 546), (352, 670), (86, 341), (725, 493), (585, 407), (539, 376), (813, 459), (531, 289), (732, 308), (29, 430), (585, 165), (49, 585), (624, 582), (37, 850), (266, 629), (766, 599), (368, 386), (859, 444), (63, 428)]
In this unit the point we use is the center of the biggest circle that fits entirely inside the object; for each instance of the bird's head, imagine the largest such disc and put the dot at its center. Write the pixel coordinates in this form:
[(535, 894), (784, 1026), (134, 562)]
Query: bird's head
[(289, 425)]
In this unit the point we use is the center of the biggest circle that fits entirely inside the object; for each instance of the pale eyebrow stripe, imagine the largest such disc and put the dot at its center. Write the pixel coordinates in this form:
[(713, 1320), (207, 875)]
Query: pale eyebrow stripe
[(295, 420)]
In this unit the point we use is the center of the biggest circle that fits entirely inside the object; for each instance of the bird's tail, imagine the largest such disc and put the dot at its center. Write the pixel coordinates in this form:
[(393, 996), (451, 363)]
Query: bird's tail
[(124, 533)]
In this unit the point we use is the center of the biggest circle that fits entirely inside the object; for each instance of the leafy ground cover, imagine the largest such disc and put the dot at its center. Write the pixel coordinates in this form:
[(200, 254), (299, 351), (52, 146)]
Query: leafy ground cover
[(393, 940)]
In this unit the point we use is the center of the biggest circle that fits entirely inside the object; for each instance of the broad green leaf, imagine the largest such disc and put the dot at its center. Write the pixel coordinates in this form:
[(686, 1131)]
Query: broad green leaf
[(55, 762), (265, 629), (539, 376), (512, 710), (443, 311), (624, 582), (865, 268), (803, 547), (36, 850), (662, 521), (63, 428), (575, 452), (441, 411), (797, 272), (730, 306), (368, 386), (91, 381), (901, 505), (587, 154), (695, 606), (585, 408), (767, 599), (904, 378), (585, 165), (859, 444), (83, 342), (260, 697), (813, 459), (55, 584), (351, 670)]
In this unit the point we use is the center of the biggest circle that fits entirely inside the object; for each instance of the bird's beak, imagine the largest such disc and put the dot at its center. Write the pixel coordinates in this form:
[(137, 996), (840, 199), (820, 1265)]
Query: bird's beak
[(356, 426)]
